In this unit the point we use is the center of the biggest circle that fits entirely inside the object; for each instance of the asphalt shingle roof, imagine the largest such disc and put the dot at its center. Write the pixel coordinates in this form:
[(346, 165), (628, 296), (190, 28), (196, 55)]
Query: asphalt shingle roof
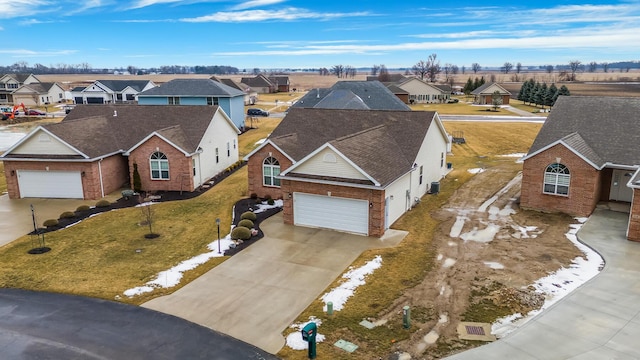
[(193, 87), (95, 131), (382, 143), (257, 81), (602, 129), (119, 85), (373, 94)]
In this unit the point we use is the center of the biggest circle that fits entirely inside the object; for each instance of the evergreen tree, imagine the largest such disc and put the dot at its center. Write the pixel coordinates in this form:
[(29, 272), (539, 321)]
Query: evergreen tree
[(564, 91), (535, 94), (137, 181), (541, 95), (482, 80), (468, 87), (476, 83), (552, 95), (522, 90), (528, 95)]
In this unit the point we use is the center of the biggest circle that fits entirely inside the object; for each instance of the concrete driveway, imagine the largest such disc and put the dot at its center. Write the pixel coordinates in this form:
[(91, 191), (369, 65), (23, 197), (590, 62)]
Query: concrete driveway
[(260, 291)]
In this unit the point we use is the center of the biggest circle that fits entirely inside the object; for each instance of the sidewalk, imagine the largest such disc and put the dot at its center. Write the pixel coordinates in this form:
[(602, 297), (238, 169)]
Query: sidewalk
[(600, 320)]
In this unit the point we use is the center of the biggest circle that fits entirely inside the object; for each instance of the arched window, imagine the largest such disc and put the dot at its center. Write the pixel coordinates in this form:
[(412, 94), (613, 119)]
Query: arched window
[(556, 179), (270, 169), (159, 166)]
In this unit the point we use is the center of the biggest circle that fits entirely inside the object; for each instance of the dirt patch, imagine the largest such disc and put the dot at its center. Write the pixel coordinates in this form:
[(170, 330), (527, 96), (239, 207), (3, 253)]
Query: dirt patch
[(488, 252)]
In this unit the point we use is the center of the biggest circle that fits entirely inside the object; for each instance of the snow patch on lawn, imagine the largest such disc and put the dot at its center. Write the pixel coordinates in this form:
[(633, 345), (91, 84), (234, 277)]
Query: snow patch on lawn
[(354, 278), (494, 265), (475, 170), (294, 340)]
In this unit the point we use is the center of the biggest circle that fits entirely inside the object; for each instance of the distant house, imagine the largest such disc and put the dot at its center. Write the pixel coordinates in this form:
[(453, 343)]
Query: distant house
[(11, 82), (585, 153), (484, 94), (356, 171), (281, 82), (422, 92), (260, 83), (198, 92), (362, 95), (110, 91), (95, 149), (39, 94), (250, 95)]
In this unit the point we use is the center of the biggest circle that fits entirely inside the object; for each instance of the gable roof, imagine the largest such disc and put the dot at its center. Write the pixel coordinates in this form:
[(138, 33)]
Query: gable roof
[(279, 79), (483, 87), (40, 88), (341, 99), (440, 88), (95, 131), (20, 78), (229, 82), (257, 81), (119, 85), (193, 87), (384, 144), (599, 129), (373, 94)]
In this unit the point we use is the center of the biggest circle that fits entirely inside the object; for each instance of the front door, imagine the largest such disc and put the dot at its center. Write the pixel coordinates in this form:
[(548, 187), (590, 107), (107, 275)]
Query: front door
[(619, 189)]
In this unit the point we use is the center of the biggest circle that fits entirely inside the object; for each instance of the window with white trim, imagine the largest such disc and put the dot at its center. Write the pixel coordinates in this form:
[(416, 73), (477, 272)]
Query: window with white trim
[(174, 100), (159, 166), (556, 179), (421, 171), (270, 170), (217, 156)]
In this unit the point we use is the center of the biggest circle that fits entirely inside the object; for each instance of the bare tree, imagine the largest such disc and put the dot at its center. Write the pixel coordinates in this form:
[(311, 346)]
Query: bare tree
[(420, 69), (375, 69), (475, 67), (455, 69), (518, 68), (549, 69), (433, 67), (605, 66), (507, 67), (447, 71), (337, 70), (574, 66), (383, 75), (464, 69), (147, 218), (592, 66)]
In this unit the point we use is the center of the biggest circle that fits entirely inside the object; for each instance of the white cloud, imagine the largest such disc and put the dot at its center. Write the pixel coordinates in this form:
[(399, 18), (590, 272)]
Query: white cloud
[(14, 8), (256, 3), (144, 3), (287, 14), (33, 53)]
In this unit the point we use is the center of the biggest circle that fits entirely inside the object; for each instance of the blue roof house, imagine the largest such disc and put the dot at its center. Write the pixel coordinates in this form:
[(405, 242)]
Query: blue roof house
[(198, 92)]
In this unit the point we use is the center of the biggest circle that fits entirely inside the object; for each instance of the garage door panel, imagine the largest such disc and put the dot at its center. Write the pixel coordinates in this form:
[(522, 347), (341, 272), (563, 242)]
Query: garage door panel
[(50, 184), (337, 213)]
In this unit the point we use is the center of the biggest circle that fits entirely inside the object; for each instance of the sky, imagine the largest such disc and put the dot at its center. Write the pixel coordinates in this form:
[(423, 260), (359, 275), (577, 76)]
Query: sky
[(281, 34)]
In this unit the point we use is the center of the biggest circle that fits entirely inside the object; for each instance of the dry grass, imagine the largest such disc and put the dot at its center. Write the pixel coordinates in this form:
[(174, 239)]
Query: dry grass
[(262, 127), (408, 264), (98, 257)]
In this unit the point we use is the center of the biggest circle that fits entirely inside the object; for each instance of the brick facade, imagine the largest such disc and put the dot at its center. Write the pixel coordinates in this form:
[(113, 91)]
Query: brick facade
[(180, 167), (113, 169), (633, 231), (585, 188), (375, 197), (254, 166)]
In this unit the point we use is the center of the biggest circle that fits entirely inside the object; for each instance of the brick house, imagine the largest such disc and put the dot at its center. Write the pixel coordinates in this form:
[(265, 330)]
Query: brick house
[(585, 154), (92, 151), (349, 170), (484, 94)]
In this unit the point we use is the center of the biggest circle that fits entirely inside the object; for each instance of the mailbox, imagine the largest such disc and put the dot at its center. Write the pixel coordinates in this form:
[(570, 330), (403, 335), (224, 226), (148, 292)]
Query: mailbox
[(309, 332)]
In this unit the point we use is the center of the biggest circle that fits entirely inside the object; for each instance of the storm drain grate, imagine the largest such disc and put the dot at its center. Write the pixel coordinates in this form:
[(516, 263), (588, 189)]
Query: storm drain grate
[(474, 330)]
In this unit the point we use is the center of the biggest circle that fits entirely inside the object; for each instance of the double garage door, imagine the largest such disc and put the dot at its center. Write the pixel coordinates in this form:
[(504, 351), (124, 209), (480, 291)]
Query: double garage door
[(331, 212), (50, 184)]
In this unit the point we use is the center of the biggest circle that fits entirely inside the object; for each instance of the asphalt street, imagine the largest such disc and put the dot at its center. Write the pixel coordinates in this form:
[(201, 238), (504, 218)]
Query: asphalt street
[(35, 325)]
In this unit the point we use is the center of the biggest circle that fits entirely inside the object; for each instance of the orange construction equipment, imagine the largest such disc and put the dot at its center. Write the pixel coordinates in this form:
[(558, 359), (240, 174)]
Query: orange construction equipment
[(13, 112)]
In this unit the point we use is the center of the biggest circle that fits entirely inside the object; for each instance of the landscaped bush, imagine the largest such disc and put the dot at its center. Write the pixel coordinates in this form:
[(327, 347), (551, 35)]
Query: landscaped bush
[(54, 222), (270, 201), (254, 196), (246, 223), (241, 233), (83, 208), (103, 203), (67, 215), (248, 215)]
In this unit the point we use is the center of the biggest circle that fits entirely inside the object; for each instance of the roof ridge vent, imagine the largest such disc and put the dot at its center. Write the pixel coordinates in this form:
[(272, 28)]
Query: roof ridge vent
[(115, 113)]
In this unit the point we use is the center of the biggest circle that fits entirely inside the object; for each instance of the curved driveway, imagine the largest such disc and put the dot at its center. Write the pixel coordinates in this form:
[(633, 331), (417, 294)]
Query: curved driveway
[(37, 325), (600, 320)]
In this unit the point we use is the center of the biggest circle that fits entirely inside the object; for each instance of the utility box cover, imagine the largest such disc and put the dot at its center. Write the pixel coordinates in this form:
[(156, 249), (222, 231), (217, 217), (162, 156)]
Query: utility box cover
[(309, 332)]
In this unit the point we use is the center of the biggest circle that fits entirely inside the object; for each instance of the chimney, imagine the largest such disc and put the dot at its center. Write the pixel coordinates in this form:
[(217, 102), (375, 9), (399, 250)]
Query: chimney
[(115, 113)]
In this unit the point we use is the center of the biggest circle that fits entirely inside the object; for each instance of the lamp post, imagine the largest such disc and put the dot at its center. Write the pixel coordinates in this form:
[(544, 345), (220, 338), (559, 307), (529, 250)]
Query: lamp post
[(218, 223)]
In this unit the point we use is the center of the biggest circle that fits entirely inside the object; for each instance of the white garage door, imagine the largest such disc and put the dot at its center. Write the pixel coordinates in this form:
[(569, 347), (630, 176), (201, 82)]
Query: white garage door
[(50, 184), (331, 213)]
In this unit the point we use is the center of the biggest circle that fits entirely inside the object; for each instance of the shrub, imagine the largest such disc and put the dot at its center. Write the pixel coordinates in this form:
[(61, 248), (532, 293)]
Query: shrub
[(67, 215), (248, 215), (253, 196), (137, 181), (246, 223), (268, 197), (241, 233), (83, 208), (54, 222), (103, 203), (270, 201)]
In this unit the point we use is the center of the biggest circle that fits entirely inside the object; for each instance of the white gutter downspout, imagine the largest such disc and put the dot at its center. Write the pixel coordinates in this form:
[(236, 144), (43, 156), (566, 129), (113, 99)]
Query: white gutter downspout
[(100, 174)]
